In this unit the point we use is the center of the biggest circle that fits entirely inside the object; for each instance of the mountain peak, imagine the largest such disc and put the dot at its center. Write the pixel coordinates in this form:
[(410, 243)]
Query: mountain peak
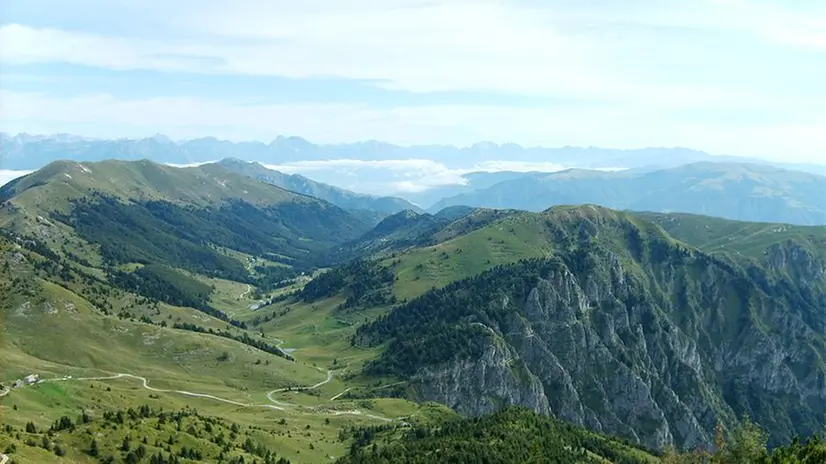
[(161, 138)]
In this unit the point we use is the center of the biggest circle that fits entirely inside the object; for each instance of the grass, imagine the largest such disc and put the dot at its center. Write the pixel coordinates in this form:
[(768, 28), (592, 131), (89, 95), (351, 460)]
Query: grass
[(508, 240), (319, 334), (54, 331), (228, 297), (300, 438), (289, 433), (749, 239), (172, 358), (61, 180)]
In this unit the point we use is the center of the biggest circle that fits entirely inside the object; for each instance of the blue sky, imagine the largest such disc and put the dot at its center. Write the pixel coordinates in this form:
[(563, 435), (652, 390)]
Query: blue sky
[(740, 77)]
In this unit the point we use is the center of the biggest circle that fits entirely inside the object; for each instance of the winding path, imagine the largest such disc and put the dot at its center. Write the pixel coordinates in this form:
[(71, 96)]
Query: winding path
[(249, 287), (273, 403), (246, 292), (3, 458), (339, 395), (180, 392), (276, 404), (313, 387)]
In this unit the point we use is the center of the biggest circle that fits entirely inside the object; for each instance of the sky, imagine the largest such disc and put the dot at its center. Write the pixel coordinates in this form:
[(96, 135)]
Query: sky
[(735, 77)]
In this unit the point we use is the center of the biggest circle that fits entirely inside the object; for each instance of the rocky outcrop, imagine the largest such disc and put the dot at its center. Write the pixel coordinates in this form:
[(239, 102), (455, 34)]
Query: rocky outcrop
[(602, 351), (796, 260), (484, 385), (627, 331)]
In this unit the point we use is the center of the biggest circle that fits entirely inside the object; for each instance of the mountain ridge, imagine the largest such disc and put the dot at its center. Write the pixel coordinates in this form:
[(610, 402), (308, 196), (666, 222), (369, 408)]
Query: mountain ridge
[(301, 184), (687, 332), (202, 219), (734, 191), (26, 151), (649, 326)]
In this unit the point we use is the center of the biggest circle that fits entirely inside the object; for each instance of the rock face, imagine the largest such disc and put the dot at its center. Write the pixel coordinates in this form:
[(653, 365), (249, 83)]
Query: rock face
[(658, 348), (799, 262), (561, 355)]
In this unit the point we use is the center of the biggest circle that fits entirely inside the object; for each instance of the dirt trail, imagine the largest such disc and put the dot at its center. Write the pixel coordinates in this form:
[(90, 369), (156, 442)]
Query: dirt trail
[(340, 394), (275, 404), (313, 387), (145, 384), (246, 292)]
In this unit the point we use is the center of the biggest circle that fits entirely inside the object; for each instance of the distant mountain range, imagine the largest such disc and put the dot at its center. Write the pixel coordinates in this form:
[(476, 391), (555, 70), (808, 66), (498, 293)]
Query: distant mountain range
[(735, 191), (658, 180), (27, 152)]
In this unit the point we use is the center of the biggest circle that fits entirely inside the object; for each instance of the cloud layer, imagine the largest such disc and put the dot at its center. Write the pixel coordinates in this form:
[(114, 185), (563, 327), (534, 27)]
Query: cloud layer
[(728, 76), (400, 177), (7, 175)]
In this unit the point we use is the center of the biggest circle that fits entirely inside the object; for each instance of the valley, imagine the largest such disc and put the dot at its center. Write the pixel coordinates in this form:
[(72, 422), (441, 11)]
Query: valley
[(168, 307)]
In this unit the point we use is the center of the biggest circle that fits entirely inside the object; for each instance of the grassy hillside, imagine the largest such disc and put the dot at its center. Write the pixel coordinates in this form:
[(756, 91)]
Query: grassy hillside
[(142, 180), (99, 348), (796, 255), (749, 239), (508, 436), (206, 203), (126, 281), (337, 196), (615, 298), (397, 232), (43, 316), (140, 226), (155, 288)]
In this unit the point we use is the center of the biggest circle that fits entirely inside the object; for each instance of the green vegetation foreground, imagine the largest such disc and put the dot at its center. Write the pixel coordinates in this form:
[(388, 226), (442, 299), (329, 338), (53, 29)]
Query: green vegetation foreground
[(519, 435)]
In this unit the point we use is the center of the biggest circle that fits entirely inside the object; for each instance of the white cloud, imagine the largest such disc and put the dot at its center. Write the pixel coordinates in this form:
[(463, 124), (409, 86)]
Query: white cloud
[(401, 175), (810, 38), (530, 48), (7, 175), (636, 72), (777, 22), (189, 165), (379, 176), (26, 45)]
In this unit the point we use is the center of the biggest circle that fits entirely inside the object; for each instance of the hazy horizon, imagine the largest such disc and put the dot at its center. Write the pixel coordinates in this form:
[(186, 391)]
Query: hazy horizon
[(399, 176), (743, 77), (404, 176)]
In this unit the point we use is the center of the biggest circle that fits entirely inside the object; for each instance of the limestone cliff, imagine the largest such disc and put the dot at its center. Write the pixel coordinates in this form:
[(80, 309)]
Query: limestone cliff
[(626, 332)]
